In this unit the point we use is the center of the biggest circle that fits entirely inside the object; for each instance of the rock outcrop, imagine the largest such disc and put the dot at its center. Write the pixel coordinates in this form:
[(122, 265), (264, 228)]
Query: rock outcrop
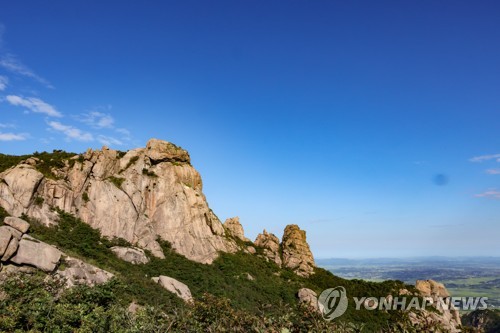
[(270, 245), (176, 287), (29, 254), (309, 298), (449, 319), (133, 255), (234, 228), (296, 252), (17, 223), (482, 321), (38, 254), (77, 272), (140, 196)]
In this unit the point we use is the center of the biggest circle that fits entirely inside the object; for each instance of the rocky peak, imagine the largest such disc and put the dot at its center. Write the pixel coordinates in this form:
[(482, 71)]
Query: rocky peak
[(163, 151), (234, 228), (448, 318), (141, 196), (296, 252), (431, 288), (271, 246)]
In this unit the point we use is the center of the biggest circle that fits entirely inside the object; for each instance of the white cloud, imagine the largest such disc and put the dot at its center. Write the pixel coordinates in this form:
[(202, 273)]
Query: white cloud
[(12, 64), (123, 131), (12, 136), (6, 125), (483, 158), (97, 119), (109, 141), (493, 171), (492, 194), (34, 104), (71, 132), (3, 82)]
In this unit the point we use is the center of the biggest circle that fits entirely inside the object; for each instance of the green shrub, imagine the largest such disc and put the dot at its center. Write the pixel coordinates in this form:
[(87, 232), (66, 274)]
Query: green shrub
[(39, 201), (85, 197), (131, 162), (148, 173), (3, 214), (47, 161), (117, 181)]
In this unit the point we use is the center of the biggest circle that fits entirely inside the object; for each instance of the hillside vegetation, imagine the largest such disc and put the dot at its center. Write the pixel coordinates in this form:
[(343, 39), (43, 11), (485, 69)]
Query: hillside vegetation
[(226, 299)]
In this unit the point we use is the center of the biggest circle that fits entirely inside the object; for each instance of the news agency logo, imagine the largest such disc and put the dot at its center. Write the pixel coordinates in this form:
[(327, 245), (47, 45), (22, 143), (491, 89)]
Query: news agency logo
[(333, 302)]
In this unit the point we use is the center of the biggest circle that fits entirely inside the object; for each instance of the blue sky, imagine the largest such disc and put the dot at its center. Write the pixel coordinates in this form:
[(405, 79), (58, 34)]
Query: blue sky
[(374, 125)]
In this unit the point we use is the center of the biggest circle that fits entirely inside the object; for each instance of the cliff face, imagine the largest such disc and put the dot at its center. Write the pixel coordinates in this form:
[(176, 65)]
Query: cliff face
[(146, 194)]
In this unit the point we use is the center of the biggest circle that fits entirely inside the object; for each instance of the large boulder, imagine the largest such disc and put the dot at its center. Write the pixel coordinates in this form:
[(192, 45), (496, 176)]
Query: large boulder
[(296, 252), (270, 245), (17, 223), (234, 228), (174, 286), (309, 298), (18, 187), (5, 237), (11, 249), (133, 255), (36, 253), (77, 272)]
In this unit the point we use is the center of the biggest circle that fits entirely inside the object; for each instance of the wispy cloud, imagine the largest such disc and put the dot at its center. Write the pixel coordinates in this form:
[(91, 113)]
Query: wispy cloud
[(12, 64), (123, 131), (34, 104), (3, 82), (109, 141), (7, 125), (493, 171), (483, 158), (13, 136), (97, 119), (491, 194), (71, 132)]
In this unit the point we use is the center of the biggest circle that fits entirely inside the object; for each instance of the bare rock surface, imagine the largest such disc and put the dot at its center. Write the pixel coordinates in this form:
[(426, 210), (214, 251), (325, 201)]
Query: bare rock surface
[(11, 249), (271, 246), (17, 223), (449, 319), (76, 272), (309, 298), (133, 255), (174, 286), (5, 237), (234, 228), (296, 252), (146, 194), (36, 253), (431, 288)]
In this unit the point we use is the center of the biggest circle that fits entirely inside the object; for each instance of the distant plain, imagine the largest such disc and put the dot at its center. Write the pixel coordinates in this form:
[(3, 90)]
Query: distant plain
[(462, 276)]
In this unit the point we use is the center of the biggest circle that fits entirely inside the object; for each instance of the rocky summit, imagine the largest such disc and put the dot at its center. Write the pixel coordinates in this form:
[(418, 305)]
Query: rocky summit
[(142, 196), (296, 252)]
